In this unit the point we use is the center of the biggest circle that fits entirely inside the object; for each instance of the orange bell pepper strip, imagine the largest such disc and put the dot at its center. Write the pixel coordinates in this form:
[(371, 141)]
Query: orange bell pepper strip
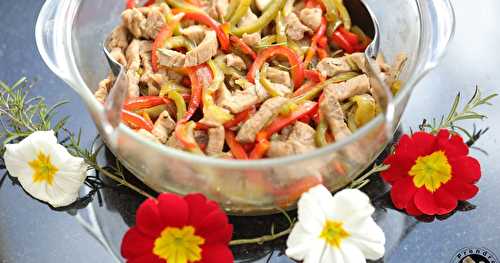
[(293, 191), (236, 148), (297, 68), (136, 121), (260, 150), (144, 102), (314, 42)]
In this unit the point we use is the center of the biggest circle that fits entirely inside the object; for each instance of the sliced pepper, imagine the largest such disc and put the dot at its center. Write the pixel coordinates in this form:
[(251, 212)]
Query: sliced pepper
[(132, 3), (202, 18), (184, 132), (184, 6), (239, 118), (267, 16), (241, 11), (320, 135), (135, 121), (243, 46), (314, 42), (281, 122), (144, 102), (268, 86), (345, 40), (180, 104), (331, 10), (195, 73), (343, 13), (296, 65), (260, 150), (315, 91), (366, 109), (235, 147), (210, 110), (233, 5), (164, 34), (314, 75), (280, 28)]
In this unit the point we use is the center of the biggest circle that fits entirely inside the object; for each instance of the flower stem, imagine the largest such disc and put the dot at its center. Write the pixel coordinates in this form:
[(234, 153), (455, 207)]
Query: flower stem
[(262, 239), (363, 180), (122, 181)]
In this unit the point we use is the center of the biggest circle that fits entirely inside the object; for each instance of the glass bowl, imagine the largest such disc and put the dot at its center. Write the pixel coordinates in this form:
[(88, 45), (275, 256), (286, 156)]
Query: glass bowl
[(69, 35)]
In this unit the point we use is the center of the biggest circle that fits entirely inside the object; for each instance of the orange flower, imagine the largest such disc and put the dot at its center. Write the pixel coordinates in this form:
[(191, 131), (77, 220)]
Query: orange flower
[(430, 173)]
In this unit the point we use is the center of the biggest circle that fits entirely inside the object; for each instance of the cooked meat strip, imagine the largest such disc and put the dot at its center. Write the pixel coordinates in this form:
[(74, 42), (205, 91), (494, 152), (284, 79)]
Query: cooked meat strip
[(254, 38), (355, 86), (171, 58), (204, 51), (119, 38), (135, 21), (329, 67), (294, 28), (163, 127), (147, 135), (257, 122), (251, 94), (332, 111), (215, 140), (201, 137), (134, 64), (311, 17), (103, 89), (195, 33), (218, 8), (174, 143), (300, 140), (279, 76), (155, 22), (117, 54), (235, 61), (303, 133)]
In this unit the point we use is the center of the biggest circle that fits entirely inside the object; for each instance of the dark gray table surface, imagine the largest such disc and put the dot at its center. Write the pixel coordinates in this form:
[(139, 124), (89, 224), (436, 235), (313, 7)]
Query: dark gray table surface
[(29, 232)]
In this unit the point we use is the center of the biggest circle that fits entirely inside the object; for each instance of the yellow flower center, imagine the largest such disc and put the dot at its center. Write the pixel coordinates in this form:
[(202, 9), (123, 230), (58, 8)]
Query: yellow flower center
[(177, 245), (333, 232), (432, 171), (43, 169)]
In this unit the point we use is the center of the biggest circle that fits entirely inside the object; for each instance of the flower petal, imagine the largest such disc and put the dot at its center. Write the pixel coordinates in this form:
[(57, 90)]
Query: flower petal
[(215, 220), (425, 202), (466, 168), (445, 200), (453, 146), (317, 251), (135, 244), (220, 235), (403, 192), (216, 254), (148, 219), (310, 210), (351, 253), (368, 237), (460, 190), (350, 205), (299, 242), (424, 143), (331, 254), (146, 258), (199, 208), (412, 209), (173, 210)]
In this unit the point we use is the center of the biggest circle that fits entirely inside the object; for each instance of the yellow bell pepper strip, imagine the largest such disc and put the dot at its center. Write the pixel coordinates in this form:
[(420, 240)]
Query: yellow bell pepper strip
[(202, 18), (184, 133), (154, 112), (314, 42), (233, 5), (135, 121), (288, 108), (267, 41), (280, 28), (243, 46), (331, 10), (297, 68), (210, 110), (267, 16), (235, 147), (268, 86), (320, 135), (219, 60), (240, 12), (343, 13), (146, 117), (165, 88), (184, 6), (366, 109), (195, 75), (180, 104), (179, 41), (281, 122), (164, 34)]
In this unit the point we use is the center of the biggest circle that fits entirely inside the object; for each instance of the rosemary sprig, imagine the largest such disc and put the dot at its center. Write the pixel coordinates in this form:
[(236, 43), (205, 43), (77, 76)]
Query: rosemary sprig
[(468, 112), (364, 179)]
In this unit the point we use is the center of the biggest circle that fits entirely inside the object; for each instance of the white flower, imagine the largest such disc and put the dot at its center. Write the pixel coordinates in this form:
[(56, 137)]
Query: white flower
[(335, 229), (45, 168)]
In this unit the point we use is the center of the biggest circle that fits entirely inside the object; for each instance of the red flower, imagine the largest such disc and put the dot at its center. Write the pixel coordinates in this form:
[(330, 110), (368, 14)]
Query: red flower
[(430, 173), (178, 230)]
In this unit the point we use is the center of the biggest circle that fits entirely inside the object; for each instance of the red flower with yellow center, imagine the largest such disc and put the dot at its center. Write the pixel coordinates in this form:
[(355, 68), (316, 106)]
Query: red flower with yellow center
[(173, 229), (430, 173)]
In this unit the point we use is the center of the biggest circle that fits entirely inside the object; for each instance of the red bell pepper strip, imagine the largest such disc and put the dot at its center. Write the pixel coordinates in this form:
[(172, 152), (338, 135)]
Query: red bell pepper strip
[(314, 75), (235, 147), (136, 121), (201, 126), (165, 33), (283, 121), (243, 47), (239, 118), (296, 65), (260, 150), (144, 102), (314, 42), (209, 22), (323, 42), (305, 88), (133, 3), (322, 53), (345, 42), (195, 73), (349, 36)]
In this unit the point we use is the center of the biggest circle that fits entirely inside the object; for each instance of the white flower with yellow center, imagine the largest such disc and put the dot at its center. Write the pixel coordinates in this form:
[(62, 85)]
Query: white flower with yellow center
[(335, 229), (45, 169)]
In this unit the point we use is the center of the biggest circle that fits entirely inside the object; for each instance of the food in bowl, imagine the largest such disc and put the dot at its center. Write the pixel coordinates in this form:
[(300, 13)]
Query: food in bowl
[(244, 79)]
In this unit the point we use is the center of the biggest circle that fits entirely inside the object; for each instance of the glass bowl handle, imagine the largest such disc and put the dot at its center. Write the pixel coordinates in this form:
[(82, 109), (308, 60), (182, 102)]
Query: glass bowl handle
[(438, 28)]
